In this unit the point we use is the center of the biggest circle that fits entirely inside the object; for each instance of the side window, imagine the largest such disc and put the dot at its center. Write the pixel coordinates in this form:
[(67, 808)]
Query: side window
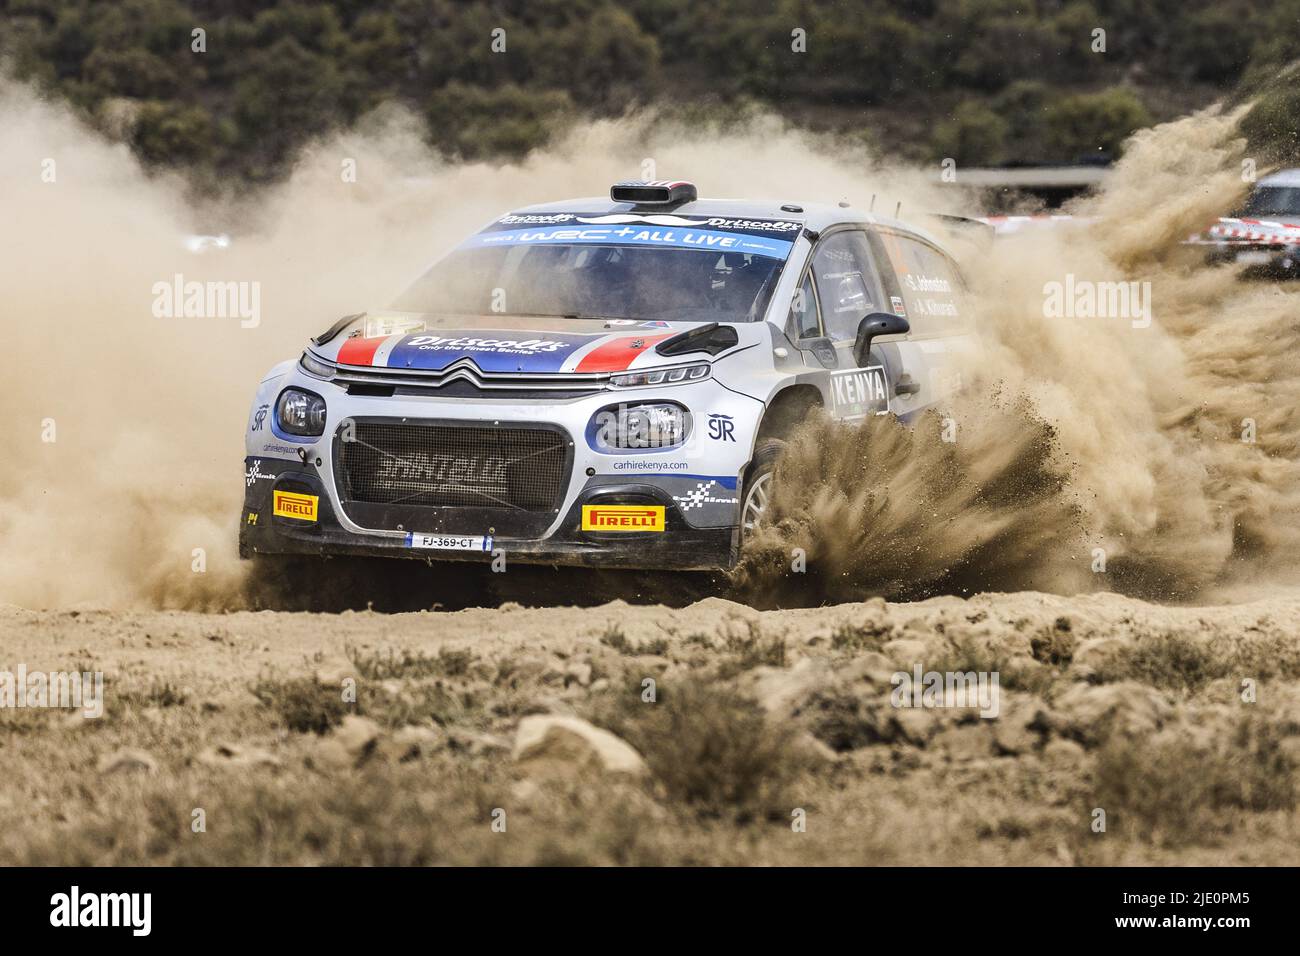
[(931, 286), (848, 285), (804, 322)]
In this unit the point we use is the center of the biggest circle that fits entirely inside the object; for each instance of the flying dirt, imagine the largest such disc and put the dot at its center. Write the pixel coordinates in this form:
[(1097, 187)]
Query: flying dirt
[(1149, 454)]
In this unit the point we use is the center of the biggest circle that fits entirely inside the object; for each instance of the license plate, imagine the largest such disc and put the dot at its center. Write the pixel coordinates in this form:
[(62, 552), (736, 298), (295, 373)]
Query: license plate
[(449, 542), (1254, 258)]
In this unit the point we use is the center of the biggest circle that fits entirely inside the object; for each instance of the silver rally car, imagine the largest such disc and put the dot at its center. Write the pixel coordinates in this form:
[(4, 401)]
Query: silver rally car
[(601, 382)]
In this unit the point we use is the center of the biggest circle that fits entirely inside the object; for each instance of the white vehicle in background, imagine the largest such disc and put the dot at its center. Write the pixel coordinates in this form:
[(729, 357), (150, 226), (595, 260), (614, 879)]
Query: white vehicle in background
[(601, 381), (1265, 234)]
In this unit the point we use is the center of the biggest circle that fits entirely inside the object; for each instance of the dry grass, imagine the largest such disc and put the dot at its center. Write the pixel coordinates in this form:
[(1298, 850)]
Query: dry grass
[(1173, 790), (1216, 784)]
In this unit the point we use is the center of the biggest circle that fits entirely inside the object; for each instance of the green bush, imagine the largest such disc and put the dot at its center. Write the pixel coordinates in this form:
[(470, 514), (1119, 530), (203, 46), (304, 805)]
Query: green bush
[(274, 75), (1091, 124), (170, 133), (974, 136)]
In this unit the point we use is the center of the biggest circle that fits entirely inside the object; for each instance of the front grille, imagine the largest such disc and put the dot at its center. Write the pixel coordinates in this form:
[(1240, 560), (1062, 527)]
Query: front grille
[(452, 478)]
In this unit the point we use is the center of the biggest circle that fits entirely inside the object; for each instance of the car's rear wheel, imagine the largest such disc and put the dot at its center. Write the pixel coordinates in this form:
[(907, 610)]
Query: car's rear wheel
[(758, 487)]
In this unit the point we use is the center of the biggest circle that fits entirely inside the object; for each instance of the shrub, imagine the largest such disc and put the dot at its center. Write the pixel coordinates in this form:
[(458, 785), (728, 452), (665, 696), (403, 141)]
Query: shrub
[(1174, 790), (711, 748), (302, 704)]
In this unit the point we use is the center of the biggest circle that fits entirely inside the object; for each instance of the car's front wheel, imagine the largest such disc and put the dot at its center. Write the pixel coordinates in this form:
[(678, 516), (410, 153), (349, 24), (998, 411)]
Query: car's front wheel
[(758, 487)]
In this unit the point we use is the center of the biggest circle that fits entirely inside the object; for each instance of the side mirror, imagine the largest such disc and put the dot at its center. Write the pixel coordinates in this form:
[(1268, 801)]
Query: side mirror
[(877, 323)]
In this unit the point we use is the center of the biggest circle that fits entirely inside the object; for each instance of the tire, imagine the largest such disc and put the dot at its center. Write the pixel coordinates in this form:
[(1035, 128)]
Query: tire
[(757, 494)]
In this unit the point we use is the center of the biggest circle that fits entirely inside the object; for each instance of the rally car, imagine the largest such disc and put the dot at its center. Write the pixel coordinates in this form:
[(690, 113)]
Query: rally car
[(1263, 236), (602, 381)]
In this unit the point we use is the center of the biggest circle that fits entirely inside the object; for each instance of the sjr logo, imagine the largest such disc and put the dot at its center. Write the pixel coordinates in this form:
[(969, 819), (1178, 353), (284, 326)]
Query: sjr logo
[(721, 427), (259, 417)]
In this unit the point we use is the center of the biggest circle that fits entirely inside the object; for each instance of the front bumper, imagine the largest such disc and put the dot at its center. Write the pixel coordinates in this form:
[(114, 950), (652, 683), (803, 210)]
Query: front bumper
[(697, 483), (680, 546)]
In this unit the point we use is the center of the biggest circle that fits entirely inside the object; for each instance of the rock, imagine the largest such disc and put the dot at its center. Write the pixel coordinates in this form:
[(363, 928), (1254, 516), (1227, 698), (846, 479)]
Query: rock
[(812, 750), (906, 652), (572, 740), (1063, 753), (475, 743), (781, 691), (1018, 728), (1091, 713), (127, 761), (328, 753), (411, 743), (1093, 656), (578, 672)]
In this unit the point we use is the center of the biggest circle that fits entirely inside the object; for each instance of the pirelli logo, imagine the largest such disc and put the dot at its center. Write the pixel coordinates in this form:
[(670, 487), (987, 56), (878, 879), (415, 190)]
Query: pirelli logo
[(623, 518), (289, 504)]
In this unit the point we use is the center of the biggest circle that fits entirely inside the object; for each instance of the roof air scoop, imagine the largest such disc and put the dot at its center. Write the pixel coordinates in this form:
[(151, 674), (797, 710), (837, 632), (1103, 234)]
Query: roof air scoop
[(658, 193)]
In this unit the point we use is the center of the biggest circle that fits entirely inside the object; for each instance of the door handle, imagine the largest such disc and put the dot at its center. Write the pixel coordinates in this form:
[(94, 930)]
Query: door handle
[(907, 385)]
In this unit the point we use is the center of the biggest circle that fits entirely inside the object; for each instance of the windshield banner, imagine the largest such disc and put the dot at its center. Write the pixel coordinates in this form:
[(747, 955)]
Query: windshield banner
[(770, 239)]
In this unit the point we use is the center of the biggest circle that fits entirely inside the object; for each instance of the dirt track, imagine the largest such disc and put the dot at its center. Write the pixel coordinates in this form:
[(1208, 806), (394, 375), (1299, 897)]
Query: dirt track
[(1105, 702)]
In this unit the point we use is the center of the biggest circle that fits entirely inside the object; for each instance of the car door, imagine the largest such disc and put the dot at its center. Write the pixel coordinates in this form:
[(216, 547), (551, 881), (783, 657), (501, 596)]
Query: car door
[(847, 284), (925, 286)]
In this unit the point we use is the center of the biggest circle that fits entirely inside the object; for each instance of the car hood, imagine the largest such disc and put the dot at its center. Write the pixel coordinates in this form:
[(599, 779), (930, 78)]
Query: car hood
[(529, 344)]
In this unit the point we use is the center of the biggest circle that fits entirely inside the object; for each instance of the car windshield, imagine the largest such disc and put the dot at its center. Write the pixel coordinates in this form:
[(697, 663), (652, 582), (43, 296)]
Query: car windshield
[(1273, 201), (628, 266), (598, 281)]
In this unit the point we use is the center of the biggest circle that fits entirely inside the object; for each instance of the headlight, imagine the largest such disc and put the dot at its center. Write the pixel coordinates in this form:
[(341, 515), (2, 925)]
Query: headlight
[(300, 413), (647, 426), (661, 376), (314, 366)]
